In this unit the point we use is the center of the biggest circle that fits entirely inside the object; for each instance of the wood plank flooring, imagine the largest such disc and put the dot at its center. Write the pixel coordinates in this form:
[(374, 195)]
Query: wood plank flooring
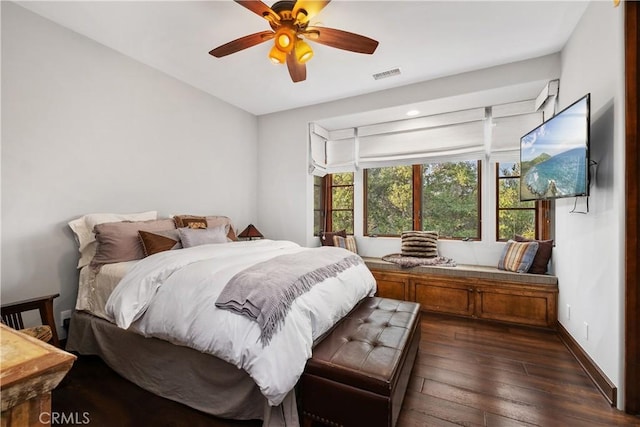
[(467, 373), (475, 373)]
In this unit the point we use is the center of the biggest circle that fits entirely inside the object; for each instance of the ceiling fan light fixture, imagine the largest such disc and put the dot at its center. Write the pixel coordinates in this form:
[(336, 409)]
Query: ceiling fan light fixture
[(277, 56), (303, 51), (289, 22), (285, 39)]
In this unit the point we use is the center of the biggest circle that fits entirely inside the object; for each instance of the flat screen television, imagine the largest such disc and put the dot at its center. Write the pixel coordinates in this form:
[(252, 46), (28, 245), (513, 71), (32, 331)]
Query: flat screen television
[(554, 157)]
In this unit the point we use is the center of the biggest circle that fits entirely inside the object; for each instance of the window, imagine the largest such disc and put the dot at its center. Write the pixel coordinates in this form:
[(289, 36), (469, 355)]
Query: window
[(341, 203), (434, 196), (451, 199), (333, 203), (513, 216), (389, 207)]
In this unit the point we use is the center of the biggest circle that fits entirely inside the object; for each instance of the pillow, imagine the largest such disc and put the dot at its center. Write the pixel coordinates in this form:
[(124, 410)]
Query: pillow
[(195, 237), (83, 230), (190, 221), (348, 243), (421, 244), (194, 221), (541, 260), (517, 256), (184, 220), (159, 241), (215, 221), (119, 241), (326, 237)]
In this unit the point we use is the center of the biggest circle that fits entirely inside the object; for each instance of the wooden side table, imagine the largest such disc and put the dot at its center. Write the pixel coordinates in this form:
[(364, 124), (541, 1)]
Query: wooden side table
[(29, 370)]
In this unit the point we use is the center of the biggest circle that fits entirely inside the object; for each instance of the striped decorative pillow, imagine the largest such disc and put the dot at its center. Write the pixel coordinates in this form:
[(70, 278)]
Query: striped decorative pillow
[(348, 243), (518, 256), (422, 244)]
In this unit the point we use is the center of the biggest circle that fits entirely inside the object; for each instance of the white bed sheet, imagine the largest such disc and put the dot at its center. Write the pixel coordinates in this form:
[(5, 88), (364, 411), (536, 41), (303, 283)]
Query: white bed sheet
[(94, 288)]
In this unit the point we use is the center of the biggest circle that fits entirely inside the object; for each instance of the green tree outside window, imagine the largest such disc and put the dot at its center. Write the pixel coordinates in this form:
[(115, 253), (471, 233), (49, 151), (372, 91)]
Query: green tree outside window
[(450, 199)]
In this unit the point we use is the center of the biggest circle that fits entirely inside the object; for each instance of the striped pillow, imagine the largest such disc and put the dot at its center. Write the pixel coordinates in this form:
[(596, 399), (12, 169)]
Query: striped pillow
[(348, 243), (518, 256), (422, 244)]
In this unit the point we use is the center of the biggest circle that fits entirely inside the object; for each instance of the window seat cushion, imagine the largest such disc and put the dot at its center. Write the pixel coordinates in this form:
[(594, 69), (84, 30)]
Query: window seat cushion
[(465, 270)]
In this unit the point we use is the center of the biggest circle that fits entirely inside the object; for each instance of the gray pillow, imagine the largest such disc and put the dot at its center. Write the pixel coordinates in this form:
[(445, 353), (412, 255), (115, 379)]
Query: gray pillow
[(202, 236)]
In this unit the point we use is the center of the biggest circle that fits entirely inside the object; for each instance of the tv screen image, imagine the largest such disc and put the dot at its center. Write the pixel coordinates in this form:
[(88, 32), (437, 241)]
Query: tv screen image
[(554, 157)]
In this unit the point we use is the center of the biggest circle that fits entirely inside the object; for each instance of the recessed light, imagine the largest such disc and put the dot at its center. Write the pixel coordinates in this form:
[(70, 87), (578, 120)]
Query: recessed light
[(412, 113)]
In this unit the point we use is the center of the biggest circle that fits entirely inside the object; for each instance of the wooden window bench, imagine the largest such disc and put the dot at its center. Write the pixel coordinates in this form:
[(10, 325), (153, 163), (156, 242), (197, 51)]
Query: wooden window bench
[(472, 291)]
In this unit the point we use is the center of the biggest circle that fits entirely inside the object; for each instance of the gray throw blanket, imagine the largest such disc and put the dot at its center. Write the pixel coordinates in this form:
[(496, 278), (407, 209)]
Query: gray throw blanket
[(264, 292), (410, 261)]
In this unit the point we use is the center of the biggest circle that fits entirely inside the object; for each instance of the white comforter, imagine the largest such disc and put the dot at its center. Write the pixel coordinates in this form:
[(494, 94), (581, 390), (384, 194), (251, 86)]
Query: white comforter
[(172, 295)]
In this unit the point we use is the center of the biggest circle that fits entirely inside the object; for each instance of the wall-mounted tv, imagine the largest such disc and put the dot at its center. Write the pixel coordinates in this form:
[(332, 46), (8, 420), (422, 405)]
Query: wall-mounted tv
[(554, 157)]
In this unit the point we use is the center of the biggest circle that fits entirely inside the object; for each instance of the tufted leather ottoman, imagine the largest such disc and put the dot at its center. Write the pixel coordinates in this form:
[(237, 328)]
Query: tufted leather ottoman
[(358, 374)]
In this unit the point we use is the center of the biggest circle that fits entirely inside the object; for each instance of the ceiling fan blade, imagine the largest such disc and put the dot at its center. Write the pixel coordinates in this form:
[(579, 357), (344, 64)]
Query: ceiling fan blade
[(311, 7), (259, 8), (242, 43), (297, 71), (341, 39)]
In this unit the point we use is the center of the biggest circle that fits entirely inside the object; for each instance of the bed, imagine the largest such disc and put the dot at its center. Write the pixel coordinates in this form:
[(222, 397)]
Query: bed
[(172, 322)]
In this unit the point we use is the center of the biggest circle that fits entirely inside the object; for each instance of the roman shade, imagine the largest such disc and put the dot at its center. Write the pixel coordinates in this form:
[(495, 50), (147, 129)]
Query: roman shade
[(485, 133)]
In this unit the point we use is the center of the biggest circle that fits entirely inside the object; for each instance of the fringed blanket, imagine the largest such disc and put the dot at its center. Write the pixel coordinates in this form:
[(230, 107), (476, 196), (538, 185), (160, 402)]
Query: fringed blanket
[(410, 261), (265, 291)]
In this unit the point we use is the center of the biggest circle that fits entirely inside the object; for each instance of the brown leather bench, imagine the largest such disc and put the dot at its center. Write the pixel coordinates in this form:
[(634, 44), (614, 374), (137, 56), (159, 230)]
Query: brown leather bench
[(358, 374)]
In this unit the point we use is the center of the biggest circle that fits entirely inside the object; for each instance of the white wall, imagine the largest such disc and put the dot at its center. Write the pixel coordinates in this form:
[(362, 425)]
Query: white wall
[(589, 252), (285, 188), (86, 129)]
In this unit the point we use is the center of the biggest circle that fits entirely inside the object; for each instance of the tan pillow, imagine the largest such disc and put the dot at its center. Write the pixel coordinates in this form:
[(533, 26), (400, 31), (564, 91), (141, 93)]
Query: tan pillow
[(348, 243), (517, 256), (119, 241)]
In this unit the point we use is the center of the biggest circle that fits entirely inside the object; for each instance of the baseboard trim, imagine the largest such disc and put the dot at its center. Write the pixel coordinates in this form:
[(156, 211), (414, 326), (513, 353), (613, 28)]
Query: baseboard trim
[(604, 384)]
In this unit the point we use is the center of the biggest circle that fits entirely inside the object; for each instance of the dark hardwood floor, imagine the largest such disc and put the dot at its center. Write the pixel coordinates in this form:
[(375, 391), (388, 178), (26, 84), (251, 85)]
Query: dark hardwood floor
[(468, 373)]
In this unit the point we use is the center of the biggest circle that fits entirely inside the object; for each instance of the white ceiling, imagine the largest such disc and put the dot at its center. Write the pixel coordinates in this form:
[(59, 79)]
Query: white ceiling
[(425, 39)]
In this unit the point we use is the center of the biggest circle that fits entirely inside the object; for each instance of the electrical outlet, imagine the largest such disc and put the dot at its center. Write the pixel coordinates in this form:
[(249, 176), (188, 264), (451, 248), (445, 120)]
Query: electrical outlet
[(586, 331), (568, 312), (65, 315)]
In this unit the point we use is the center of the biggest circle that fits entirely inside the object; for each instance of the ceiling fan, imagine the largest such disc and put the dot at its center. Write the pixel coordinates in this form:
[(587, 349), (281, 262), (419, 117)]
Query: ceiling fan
[(289, 21)]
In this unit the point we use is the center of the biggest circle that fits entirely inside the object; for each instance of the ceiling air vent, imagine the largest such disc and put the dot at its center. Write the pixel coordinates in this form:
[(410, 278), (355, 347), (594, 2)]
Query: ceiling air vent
[(388, 73)]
